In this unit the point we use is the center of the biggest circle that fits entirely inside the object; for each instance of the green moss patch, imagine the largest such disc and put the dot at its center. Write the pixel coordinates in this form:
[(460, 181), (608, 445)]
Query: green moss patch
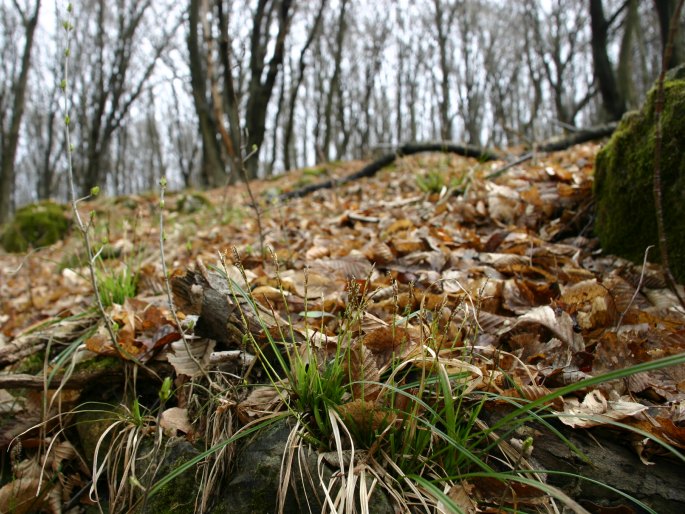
[(35, 225), (624, 170)]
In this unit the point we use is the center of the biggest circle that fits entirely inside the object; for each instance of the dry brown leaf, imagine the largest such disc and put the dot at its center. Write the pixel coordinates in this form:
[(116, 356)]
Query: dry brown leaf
[(462, 494), (557, 322), (362, 372), (261, 402), (597, 407), (19, 497), (174, 420)]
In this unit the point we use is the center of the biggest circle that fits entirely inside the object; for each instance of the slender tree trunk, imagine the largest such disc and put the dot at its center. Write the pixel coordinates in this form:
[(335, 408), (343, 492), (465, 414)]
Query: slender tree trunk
[(46, 171), (441, 27), (212, 161), (288, 132), (231, 100), (665, 10), (11, 139), (334, 85)]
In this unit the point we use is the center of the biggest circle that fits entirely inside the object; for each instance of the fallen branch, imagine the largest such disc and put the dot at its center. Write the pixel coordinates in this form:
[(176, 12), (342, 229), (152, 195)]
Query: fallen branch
[(551, 145), (581, 136), (556, 144), (387, 159)]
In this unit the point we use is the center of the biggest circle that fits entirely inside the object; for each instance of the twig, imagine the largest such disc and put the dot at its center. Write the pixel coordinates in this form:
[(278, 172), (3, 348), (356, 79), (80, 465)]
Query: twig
[(637, 289), (525, 157), (253, 202), (658, 109)]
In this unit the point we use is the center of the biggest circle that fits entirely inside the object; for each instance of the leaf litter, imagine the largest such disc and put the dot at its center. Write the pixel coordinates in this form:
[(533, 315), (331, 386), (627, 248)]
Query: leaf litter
[(506, 267)]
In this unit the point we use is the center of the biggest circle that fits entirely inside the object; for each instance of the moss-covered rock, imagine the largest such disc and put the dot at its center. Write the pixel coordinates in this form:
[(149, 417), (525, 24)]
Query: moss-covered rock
[(34, 225), (624, 169), (190, 203), (178, 495)]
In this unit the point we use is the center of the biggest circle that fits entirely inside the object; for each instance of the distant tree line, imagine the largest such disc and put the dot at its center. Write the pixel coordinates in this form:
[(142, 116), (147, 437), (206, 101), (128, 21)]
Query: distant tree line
[(218, 90)]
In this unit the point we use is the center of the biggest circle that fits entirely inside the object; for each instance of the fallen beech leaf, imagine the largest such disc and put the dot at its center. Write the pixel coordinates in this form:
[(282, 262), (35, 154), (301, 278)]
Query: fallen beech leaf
[(261, 402), (174, 420), (559, 322), (577, 414), (462, 494), (20, 497)]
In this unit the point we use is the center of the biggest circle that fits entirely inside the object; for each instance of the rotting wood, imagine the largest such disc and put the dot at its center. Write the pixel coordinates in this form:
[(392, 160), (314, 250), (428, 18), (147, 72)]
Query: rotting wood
[(224, 314)]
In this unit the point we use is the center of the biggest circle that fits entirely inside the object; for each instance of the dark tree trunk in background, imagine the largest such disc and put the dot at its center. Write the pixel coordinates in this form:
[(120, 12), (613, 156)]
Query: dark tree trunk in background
[(10, 135), (260, 89), (624, 72), (665, 10), (613, 100)]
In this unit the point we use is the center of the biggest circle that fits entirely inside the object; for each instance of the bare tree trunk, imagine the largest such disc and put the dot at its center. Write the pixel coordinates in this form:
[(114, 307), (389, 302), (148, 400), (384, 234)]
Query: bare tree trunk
[(231, 98), (614, 102), (288, 134), (624, 72), (334, 85), (213, 165), (442, 26), (46, 171), (665, 10), (10, 140), (259, 91), (274, 141)]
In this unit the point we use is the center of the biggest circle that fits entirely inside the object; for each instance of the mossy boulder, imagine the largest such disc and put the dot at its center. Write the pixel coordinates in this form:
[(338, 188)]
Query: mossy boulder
[(624, 171), (35, 225)]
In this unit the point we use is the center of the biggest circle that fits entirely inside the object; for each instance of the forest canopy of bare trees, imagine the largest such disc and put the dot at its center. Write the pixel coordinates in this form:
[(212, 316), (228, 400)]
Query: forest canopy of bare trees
[(202, 91)]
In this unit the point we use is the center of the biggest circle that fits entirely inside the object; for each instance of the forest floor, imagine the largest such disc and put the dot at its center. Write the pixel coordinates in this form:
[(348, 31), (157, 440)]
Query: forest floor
[(507, 268)]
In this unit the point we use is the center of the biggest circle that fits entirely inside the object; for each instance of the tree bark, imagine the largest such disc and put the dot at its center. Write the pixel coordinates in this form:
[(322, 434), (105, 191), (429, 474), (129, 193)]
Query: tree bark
[(624, 73), (441, 27), (212, 160), (334, 84), (288, 132), (11, 139), (665, 10), (613, 100), (260, 90)]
